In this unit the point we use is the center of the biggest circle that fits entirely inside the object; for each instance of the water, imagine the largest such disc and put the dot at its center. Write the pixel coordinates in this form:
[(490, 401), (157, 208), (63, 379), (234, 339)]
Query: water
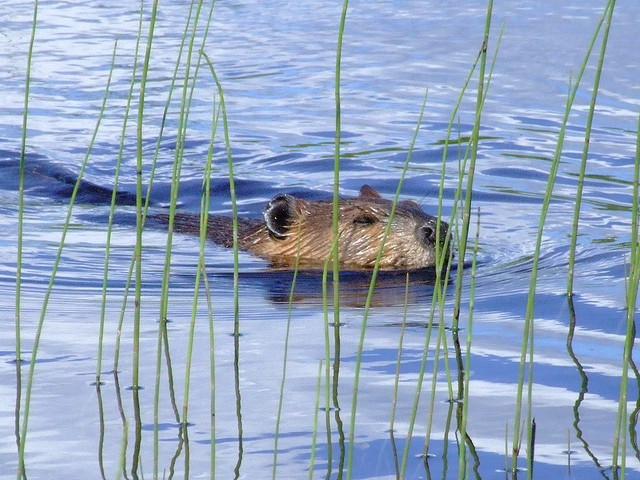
[(276, 63)]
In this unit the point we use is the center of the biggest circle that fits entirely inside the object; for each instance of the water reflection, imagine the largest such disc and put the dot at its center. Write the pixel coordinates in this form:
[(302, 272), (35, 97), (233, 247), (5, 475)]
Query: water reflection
[(277, 68), (391, 288)]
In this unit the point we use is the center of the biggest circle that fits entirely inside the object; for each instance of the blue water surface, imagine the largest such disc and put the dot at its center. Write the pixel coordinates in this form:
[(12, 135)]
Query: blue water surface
[(276, 64)]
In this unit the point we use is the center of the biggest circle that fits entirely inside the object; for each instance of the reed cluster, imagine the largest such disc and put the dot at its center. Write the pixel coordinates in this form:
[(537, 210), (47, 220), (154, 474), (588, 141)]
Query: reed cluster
[(448, 309)]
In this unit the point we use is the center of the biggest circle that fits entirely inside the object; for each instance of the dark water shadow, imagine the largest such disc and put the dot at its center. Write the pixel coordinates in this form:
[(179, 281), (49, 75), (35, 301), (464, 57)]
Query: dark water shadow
[(390, 289)]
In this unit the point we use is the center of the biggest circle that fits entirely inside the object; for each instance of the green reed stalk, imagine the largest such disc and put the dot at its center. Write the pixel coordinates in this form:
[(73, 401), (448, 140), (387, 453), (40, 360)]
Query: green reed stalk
[(440, 290), (175, 184), (139, 197), (232, 192), (633, 282), (204, 215), (441, 283), (635, 210), (147, 197), (23, 147), (201, 273), (529, 315), (438, 297), (138, 248), (185, 109), (436, 294), (105, 278), (327, 353), (284, 360), (314, 436), (212, 373), (112, 211), (528, 324), (335, 228), (335, 249), (54, 271), (336, 171), (587, 137), (396, 381), (187, 96), (372, 284), (112, 207), (466, 213), (462, 457), (234, 209)]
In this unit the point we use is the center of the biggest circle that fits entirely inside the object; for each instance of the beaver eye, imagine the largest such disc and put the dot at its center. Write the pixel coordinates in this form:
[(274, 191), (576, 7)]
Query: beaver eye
[(365, 220)]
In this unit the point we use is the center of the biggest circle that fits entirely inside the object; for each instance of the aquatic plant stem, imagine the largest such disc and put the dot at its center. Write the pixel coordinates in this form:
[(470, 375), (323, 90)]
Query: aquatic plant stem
[(327, 354), (442, 281), (200, 274), (21, 473), (475, 134), (284, 359), (585, 147), (438, 296), (529, 314), (204, 215), (175, 184), (152, 171), (335, 249), (232, 193), (105, 277), (372, 284), (462, 167), (212, 373), (138, 249), (112, 207), (462, 460), (633, 281), (236, 301), (396, 380), (336, 173), (54, 271)]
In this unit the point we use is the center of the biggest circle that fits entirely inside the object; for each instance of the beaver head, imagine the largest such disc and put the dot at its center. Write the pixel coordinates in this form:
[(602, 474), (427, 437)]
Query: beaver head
[(297, 228)]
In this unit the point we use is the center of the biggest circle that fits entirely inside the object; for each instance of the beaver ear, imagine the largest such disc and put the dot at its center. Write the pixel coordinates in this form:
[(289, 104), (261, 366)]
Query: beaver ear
[(368, 192), (279, 214)]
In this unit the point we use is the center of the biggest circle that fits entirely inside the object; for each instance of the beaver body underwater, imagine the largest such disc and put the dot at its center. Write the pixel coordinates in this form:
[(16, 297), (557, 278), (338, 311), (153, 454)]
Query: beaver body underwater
[(293, 228)]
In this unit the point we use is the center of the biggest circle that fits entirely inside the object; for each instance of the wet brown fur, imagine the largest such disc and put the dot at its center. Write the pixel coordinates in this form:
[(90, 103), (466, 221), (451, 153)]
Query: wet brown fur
[(294, 227)]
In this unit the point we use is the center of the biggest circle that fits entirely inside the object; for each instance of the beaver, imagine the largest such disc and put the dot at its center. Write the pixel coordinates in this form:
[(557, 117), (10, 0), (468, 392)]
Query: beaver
[(290, 227), (294, 228)]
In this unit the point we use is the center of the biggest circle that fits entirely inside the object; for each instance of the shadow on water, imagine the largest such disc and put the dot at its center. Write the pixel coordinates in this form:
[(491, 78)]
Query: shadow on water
[(390, 289)]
